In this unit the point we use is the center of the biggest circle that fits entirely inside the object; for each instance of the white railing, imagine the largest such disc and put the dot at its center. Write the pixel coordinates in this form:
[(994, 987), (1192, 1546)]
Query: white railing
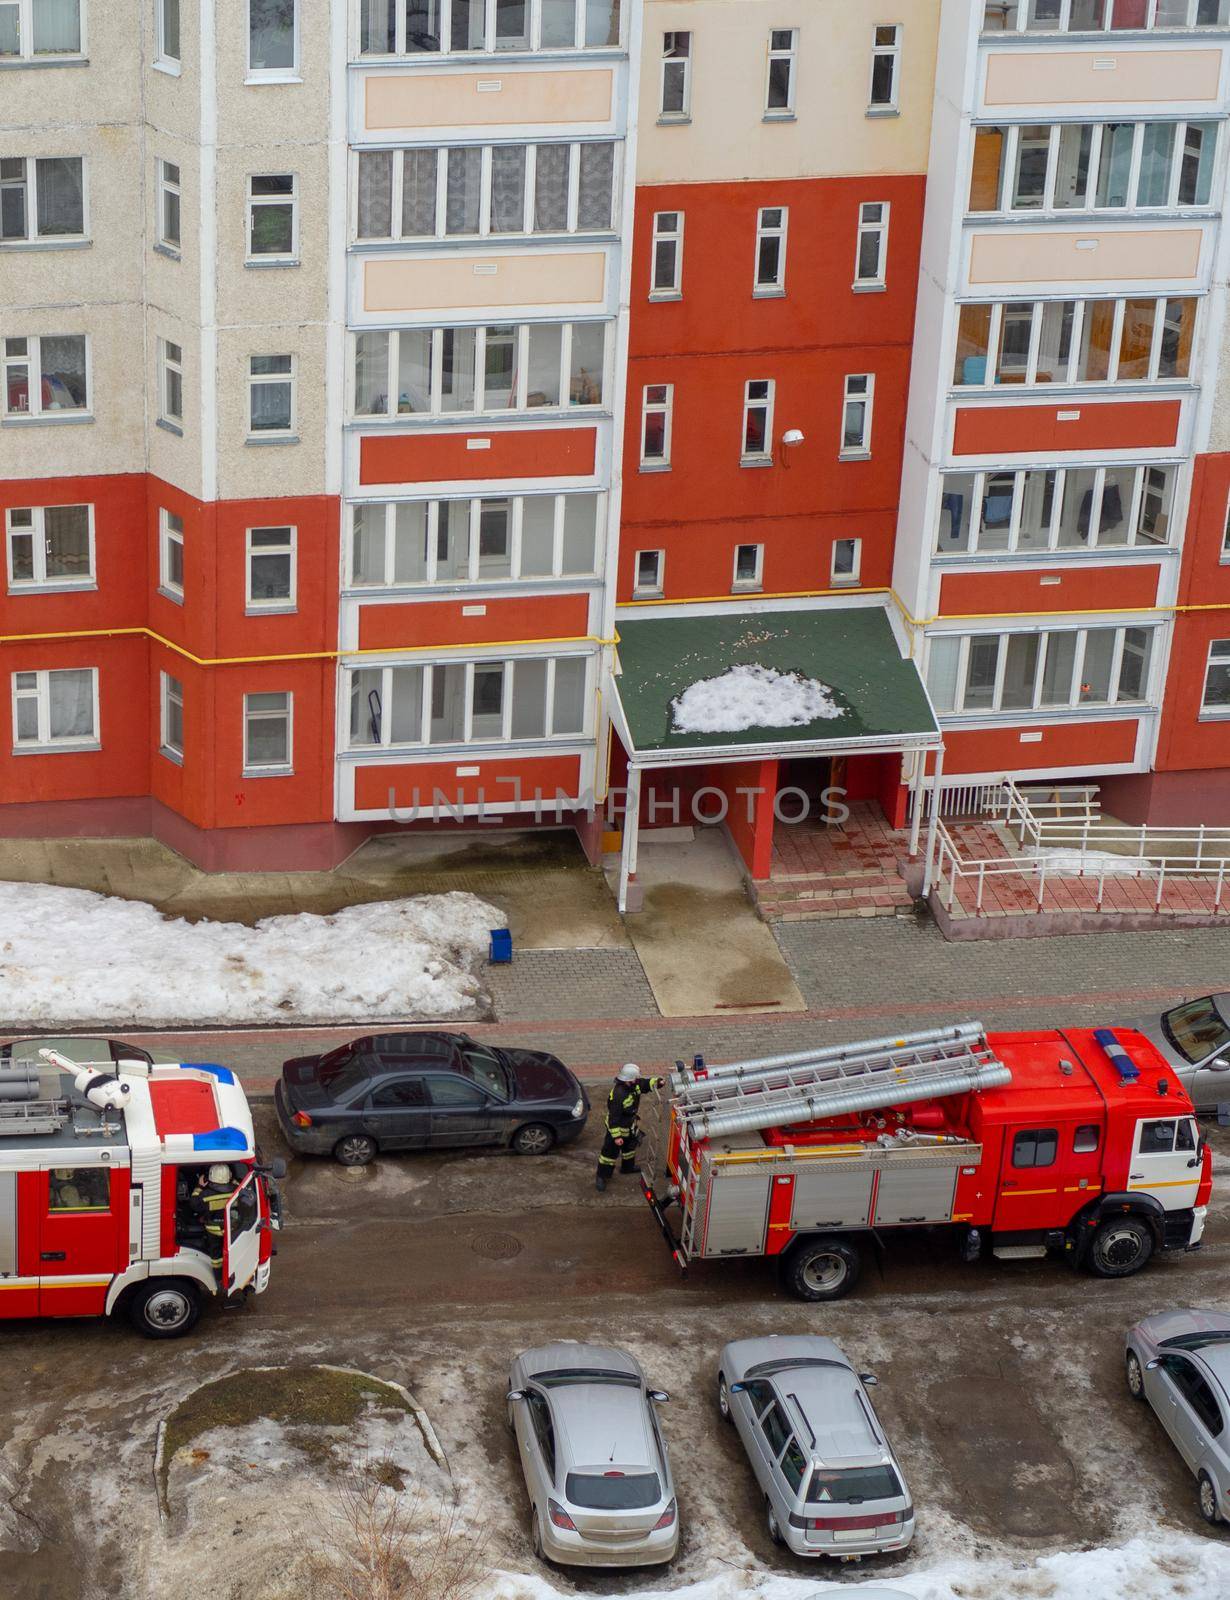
[(960, 799)]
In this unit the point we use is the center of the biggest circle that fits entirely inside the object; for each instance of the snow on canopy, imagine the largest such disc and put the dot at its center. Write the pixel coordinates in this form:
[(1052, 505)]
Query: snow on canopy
[(751, 696)]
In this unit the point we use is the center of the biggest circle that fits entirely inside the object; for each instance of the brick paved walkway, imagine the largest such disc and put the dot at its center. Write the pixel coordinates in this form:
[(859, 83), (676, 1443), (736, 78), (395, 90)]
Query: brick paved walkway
[(847, 870)]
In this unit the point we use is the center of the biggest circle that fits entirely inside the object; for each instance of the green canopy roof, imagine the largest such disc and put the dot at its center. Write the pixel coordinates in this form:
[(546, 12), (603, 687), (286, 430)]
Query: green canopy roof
[(852, 650)]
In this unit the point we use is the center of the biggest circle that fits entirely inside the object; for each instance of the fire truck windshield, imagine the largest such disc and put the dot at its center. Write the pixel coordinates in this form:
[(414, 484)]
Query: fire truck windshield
[(1196, 1029), (852, 1484)]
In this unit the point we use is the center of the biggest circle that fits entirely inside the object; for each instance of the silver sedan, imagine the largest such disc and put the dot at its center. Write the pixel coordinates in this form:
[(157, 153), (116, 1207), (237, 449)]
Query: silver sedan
[(1179, 1361), (1195, 1038), (593, 1456)]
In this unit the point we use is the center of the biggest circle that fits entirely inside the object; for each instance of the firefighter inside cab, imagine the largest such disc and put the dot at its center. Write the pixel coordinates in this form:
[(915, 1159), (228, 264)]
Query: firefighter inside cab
[(622, 1135), (207, 1203)]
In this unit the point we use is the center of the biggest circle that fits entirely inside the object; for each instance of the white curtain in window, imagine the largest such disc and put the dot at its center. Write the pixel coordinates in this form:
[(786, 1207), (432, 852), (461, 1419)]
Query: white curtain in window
[(57, 27), (58, 180), (64, 371), (272, 42), (270, 406), (508, 188), (375, 194), (10, 37), (464, 182), (597, 175), (551, 188), (377, 27), (418, 193), (71, 704)]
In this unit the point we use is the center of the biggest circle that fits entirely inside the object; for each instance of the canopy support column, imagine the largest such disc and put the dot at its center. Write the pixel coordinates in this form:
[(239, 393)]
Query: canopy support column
[(631, 834), (933, 819), (918, 789)]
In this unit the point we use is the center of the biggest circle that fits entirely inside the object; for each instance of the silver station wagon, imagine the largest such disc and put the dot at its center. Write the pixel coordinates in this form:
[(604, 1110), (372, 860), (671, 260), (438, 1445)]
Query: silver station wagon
[(1179, 1361), (594, 1459), (831, 1483)]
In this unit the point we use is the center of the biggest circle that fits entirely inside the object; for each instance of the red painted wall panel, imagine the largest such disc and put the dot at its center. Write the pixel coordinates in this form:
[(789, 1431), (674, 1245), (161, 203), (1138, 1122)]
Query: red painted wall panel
[(1080, 588), (1068, 744), (714, 339), (1109, 425), (424, 622), (441, 457), (413, 783)]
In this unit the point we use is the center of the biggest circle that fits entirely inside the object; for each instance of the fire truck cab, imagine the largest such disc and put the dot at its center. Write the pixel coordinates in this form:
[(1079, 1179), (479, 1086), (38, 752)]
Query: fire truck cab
[(102, 1173), (1080, 1142)]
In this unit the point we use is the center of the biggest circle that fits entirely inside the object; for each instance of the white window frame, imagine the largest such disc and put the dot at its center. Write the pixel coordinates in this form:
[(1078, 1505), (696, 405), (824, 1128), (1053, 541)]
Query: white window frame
[(880, 51), (1218, 656), (290, 380), (42, 693), (25, 34), (289, 74), (167, 537), (866, 229), (854, 576), (534, 43), (1050, 546), (521, 342), (649, 589), (1036, 309), (167, 697), (673, 236), (289, 547), (788, 53), (854, 397), (1225, 535), (1063, 21), (170, 367), (33, 235), (666, 409), (168, 187), (780, 232), (755, 583), (164, 60), (37, 533), (758, 458), (33, 363), (683, 65), (268, 258), (995, 707), (269, 769), (508, 667)]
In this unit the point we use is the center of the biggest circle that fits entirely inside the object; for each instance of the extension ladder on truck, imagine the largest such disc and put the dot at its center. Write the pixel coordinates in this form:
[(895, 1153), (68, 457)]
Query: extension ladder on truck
[(702, 1103)]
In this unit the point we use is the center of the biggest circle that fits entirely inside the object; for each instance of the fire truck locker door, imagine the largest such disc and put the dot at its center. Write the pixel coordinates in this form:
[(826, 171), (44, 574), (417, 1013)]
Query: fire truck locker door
[(1165, 1161), (738, 1206), (907, 1194), (82, 1239), (18, 1289), (827, 1195), (241, 1238)]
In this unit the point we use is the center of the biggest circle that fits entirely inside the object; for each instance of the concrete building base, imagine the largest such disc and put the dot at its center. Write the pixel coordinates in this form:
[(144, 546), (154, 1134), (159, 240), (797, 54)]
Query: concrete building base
[(1168, 799)]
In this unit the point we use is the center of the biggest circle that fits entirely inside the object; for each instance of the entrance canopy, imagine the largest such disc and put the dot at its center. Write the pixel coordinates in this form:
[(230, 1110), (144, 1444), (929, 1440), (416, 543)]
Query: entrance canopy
[(875, 698)]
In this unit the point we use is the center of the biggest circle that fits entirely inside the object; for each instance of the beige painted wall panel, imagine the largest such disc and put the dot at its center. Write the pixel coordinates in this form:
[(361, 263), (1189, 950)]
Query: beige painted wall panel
[(1156, 253), (454, 99), (728, 137), (577, 278), (1073, 77)]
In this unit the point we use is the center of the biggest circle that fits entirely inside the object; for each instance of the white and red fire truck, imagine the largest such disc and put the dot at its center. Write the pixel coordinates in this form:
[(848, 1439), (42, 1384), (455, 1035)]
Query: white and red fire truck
[(1081, 1142), (98, 1168)]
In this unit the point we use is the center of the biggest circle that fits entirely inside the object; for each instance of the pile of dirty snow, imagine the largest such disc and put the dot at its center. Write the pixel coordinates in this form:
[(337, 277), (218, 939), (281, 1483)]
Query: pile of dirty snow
[(1168, 1566), (1094, 863), (69, 957), (752, 696)]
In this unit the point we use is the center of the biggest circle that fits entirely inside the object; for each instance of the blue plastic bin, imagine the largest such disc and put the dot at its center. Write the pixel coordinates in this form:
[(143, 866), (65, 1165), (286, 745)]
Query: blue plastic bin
[(501, 946)]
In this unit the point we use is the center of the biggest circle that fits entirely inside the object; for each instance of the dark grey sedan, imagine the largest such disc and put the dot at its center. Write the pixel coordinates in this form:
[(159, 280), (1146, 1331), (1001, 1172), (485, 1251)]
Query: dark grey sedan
[(426, 1091)]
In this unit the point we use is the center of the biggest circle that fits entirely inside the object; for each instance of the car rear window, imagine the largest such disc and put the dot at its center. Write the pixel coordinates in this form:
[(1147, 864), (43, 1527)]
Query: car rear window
[(340, 1072), (613, 1491), (852, 1485)]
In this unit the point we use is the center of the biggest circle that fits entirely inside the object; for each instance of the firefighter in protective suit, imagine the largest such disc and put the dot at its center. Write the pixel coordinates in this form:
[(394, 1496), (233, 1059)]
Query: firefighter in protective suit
[(208, 1201), (622, 1135)]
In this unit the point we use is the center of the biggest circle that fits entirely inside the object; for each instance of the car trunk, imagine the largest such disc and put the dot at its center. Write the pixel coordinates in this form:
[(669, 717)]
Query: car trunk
[(302, 1086), (614, 1524)]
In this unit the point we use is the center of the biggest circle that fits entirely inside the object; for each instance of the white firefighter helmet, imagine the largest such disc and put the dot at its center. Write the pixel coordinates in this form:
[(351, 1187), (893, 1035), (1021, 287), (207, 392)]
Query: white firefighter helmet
[(629, 1072), (219, 1174)]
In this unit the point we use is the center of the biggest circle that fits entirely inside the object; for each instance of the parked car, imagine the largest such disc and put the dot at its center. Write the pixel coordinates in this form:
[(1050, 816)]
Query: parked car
[(86, 1052), (831, 1483), (593, 1456), (1179, 1361), (1195, 1039), (426, 1091)]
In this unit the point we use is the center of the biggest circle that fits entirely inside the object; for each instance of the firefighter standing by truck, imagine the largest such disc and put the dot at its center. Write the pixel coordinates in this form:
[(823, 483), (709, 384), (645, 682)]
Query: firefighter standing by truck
[(622, 1135)]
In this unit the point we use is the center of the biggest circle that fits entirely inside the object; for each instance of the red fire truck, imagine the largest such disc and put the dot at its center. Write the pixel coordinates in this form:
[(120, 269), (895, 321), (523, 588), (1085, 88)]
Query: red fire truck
[(1082, 1143), (100, 1172)]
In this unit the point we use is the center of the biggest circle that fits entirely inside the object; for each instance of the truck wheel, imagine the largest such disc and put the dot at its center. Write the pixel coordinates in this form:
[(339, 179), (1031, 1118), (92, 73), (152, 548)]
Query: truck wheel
[(164, 1308), (534, 1139), (355, 1150), (1120, 1247), (821, 1269)]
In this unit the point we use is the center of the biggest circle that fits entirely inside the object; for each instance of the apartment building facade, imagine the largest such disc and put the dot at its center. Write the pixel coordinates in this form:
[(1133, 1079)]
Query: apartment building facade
[(405, 401)]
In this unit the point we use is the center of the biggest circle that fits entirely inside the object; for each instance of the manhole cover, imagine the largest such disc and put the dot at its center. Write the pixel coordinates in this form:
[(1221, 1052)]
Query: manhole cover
[(495, 1246)]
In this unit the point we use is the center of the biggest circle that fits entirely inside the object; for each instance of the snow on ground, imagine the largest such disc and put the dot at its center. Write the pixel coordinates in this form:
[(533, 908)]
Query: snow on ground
[(1176, 1566), (751, 696), (71, 957), (1093, 863)]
